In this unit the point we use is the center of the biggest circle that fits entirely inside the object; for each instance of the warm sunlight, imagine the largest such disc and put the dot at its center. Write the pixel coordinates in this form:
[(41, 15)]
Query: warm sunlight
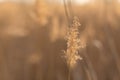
[(59, 39), (82, 1)]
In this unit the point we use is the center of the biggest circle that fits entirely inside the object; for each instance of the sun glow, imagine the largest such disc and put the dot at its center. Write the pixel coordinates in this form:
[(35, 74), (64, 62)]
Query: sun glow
[(82, 1)]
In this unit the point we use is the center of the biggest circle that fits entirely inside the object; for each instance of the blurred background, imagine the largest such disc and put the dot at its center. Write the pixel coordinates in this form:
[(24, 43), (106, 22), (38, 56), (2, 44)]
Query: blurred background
[(32, 40)]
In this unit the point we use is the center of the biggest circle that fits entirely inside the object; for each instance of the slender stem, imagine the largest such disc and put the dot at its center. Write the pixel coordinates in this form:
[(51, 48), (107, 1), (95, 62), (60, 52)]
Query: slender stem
[(66, 11), (69, 71)]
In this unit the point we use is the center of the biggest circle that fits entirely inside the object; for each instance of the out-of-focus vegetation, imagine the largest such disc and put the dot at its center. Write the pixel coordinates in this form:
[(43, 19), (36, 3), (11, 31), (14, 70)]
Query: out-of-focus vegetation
[(32, 40)]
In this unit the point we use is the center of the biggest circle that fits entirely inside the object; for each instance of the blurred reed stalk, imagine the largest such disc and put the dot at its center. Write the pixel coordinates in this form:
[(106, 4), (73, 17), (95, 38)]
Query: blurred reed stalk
[(68, 10), (109, 37)]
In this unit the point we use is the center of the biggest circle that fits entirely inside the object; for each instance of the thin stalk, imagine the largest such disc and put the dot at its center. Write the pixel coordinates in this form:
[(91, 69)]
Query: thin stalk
[(90, 66), (69, 73), (66, 11)]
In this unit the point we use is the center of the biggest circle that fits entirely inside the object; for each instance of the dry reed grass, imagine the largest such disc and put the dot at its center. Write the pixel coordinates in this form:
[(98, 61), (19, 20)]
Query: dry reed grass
[(74, 44)]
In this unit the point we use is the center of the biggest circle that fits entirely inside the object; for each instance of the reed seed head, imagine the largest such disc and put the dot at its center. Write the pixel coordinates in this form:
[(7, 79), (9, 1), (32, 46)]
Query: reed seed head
[(73, 43)]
